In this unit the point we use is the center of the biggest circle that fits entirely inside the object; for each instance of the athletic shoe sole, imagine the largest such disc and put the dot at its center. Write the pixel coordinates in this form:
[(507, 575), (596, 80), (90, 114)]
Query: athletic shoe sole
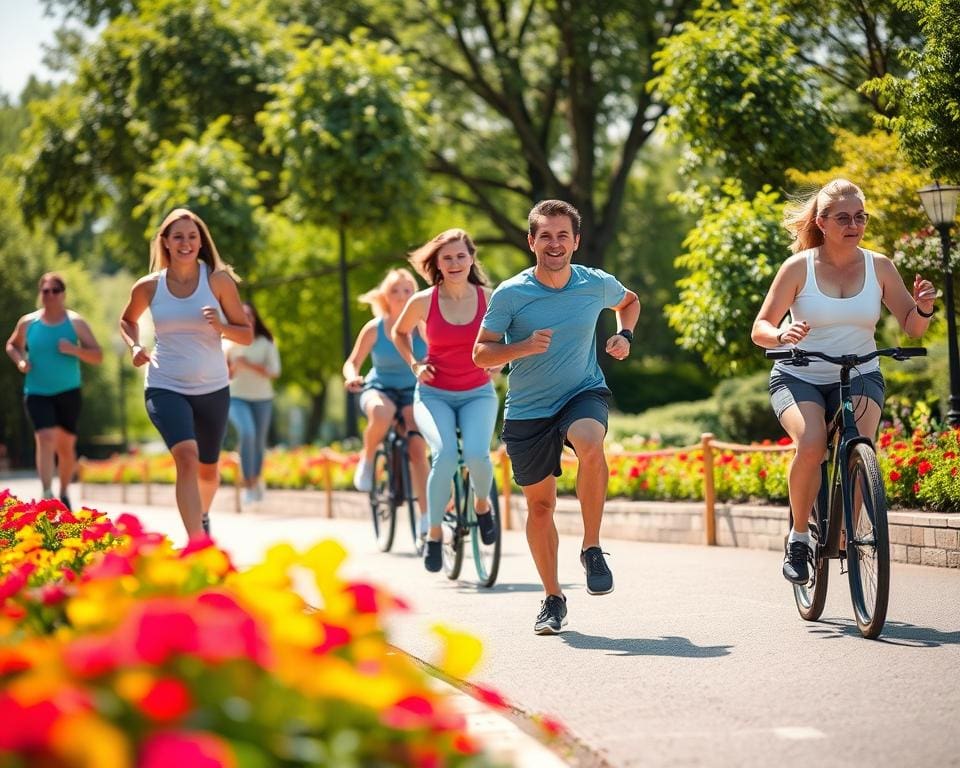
[(604, 592), (549, 630)]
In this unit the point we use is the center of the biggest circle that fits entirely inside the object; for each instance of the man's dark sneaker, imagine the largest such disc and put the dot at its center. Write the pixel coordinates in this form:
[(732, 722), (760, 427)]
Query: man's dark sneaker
[(552, 616), (65, 500), (599, 578), (797, 562), (433, 556), (205, 522), (488, 528)]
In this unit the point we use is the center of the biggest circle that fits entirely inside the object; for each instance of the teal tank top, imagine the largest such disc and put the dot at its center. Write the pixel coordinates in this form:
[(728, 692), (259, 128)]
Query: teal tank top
[(51, 372), (390, 371)]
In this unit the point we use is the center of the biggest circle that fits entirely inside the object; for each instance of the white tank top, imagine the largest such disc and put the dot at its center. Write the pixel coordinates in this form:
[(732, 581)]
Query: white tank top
[(187, 356), (837, 326)]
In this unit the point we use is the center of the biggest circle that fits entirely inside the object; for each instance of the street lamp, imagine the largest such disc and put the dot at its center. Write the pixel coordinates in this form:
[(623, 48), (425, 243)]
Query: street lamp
[(940, 203), (120, 347)]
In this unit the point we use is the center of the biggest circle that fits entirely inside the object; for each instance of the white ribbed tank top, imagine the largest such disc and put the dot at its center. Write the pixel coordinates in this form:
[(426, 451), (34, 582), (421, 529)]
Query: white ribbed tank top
[(837, 326), (187, 356)]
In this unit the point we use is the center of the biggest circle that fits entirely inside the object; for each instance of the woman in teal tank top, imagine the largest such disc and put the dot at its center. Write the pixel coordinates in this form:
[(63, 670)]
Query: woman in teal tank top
[(47, 346), (389, 384)]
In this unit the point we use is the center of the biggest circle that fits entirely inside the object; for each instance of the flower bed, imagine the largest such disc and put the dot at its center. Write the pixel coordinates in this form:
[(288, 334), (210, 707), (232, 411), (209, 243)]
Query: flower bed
[(919, 471), (118, 650)]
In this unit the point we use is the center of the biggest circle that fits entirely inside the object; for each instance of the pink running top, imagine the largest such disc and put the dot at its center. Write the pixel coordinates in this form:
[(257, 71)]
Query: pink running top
[(450, 347)]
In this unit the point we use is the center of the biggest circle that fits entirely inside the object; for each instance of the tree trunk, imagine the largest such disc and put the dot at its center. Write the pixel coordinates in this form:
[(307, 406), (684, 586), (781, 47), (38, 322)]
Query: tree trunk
[(318, 411)]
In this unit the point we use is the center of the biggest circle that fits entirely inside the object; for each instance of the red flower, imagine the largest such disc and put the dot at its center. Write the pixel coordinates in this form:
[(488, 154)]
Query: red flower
[(186, 749), (953, 472), (333, 637), (634, 471), (885, 439), (490, 696), (168, 699), (762, 474), (916, 488), (894, 476), (409, 713), (784, 441), (923, 467)]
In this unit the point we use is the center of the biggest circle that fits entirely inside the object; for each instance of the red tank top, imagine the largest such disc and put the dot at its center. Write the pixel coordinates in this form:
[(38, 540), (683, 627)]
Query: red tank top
[(450, 347)]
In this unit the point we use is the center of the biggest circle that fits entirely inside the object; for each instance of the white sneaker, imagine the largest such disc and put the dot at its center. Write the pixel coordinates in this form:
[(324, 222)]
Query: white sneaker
[(363, 475)]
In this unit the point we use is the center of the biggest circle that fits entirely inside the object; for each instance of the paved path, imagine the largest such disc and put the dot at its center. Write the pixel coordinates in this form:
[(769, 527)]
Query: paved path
[(697, 658)]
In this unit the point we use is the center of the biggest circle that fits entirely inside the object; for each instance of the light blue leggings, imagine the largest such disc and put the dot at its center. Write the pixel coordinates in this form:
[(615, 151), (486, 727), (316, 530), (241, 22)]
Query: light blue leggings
[(438, 413), (251, 419)]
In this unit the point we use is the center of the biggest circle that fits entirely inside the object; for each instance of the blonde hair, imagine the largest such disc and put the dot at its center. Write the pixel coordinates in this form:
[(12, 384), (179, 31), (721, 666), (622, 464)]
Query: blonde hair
[(424, 258), (800, 214), (209, 255), (377, 297)]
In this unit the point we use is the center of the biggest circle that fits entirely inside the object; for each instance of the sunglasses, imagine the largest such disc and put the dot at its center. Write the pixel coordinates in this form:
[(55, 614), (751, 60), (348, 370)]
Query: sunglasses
[(46, 291)]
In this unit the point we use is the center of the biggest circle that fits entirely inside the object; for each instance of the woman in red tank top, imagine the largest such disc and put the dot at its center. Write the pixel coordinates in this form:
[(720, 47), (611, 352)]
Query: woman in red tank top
[(451, 391)]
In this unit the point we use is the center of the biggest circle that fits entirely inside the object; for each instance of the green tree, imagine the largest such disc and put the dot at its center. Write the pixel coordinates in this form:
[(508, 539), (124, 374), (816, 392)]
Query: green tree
[(740, 96), (535, 99), (345, 123), (730, 258), (210, 176), (928, 119), (165, 73)]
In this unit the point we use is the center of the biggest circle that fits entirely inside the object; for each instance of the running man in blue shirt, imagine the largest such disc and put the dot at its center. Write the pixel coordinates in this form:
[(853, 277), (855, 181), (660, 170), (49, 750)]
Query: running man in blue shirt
[(543, 323)]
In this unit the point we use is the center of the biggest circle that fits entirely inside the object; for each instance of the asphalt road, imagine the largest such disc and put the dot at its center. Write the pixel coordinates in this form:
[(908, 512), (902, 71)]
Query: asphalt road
[(697, 658)]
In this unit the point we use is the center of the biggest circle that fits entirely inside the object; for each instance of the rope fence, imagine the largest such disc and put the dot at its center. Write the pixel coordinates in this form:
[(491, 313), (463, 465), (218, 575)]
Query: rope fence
[(328, 459)]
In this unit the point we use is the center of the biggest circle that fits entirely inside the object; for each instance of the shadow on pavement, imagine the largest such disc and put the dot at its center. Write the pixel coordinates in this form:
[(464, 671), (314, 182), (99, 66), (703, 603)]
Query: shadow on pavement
[(669, 645), (894, 633), (501, 587)]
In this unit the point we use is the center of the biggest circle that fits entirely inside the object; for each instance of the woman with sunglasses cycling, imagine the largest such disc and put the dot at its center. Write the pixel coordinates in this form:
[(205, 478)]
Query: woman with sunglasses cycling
[(827, 297)]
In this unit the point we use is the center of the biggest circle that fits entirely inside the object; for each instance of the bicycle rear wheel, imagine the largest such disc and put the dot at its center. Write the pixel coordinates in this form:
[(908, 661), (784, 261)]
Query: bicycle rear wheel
[(868, 548), (383, 506), (452, 527), (486, 557), (812, 596), (404, 495)]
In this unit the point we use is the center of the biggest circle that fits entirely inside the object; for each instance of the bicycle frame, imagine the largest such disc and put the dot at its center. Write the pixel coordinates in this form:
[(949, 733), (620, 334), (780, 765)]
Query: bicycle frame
[(845, 435)]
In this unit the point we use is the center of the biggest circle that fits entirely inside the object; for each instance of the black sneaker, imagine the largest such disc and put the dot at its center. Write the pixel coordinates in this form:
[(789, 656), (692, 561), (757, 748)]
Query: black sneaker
[(599, 578), (65, 500), (487, 527), (433, 556), (552, 616), (797, 561), (205, 522)]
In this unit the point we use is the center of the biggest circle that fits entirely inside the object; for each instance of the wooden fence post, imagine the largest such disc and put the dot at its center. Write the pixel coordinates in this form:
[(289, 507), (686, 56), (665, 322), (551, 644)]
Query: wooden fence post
[(709, 500), (507, 488), (328, 485), (148, 499)]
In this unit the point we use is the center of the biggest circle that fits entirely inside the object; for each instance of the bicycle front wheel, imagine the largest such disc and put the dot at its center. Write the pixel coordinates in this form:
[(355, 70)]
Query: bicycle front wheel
[(486, 557), (383, 505), (452, 527), (868, 548)]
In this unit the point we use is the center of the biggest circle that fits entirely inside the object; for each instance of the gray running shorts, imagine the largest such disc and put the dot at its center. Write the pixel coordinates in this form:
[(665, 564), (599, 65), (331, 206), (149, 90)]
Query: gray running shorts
[(787, 390)]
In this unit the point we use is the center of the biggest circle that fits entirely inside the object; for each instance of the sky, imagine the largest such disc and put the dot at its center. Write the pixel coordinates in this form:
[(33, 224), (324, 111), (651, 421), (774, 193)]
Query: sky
[(23, 29)]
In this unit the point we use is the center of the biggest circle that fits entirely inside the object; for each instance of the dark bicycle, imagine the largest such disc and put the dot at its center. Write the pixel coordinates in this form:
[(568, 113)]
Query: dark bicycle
[(392, 488), (460, 526), (852, 496)]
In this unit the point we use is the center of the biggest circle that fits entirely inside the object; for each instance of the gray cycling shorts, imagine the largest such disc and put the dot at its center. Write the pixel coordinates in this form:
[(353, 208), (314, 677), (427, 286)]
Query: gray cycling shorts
[(787, 390)]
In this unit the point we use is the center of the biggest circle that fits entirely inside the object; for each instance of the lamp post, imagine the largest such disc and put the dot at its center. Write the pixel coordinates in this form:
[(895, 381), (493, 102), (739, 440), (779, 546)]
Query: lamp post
[(940, 203), (120, 347)]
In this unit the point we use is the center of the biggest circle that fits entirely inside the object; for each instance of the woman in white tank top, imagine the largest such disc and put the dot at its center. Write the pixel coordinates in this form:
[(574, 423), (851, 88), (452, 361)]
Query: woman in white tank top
[(832, 290), (194, 302)]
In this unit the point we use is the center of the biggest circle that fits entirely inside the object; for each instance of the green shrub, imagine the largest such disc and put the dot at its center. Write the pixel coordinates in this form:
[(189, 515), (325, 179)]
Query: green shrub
[(642, 383), (674, 424), (744, 414)]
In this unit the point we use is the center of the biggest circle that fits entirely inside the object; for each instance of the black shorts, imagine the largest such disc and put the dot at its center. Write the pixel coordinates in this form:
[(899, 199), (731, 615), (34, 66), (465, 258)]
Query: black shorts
[(180, 417), (535, 445), (59, 410)]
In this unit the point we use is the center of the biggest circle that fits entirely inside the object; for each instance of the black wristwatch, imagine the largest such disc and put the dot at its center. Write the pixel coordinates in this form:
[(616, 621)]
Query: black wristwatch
[(627, 334), (927, 315)]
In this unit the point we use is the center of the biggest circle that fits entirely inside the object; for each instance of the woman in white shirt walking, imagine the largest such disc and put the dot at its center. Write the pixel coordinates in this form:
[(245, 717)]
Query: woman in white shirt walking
[(193, 299), (252, 371)]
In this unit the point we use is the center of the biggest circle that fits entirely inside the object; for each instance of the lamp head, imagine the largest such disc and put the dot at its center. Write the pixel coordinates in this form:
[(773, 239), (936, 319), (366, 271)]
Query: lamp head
[(940, 203)]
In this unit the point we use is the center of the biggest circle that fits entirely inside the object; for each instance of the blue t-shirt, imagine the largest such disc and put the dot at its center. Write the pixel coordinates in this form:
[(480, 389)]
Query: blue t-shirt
[(390, 371), (541, 384)]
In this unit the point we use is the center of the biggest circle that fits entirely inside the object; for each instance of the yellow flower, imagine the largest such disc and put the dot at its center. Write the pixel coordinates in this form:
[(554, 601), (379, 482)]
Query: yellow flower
[(86, 741), (461, 651), (166, 573), (134, 684)]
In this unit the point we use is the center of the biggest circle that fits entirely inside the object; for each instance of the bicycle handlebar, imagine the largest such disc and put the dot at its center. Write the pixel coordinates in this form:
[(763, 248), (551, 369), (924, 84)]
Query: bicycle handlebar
[(801, 357)]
